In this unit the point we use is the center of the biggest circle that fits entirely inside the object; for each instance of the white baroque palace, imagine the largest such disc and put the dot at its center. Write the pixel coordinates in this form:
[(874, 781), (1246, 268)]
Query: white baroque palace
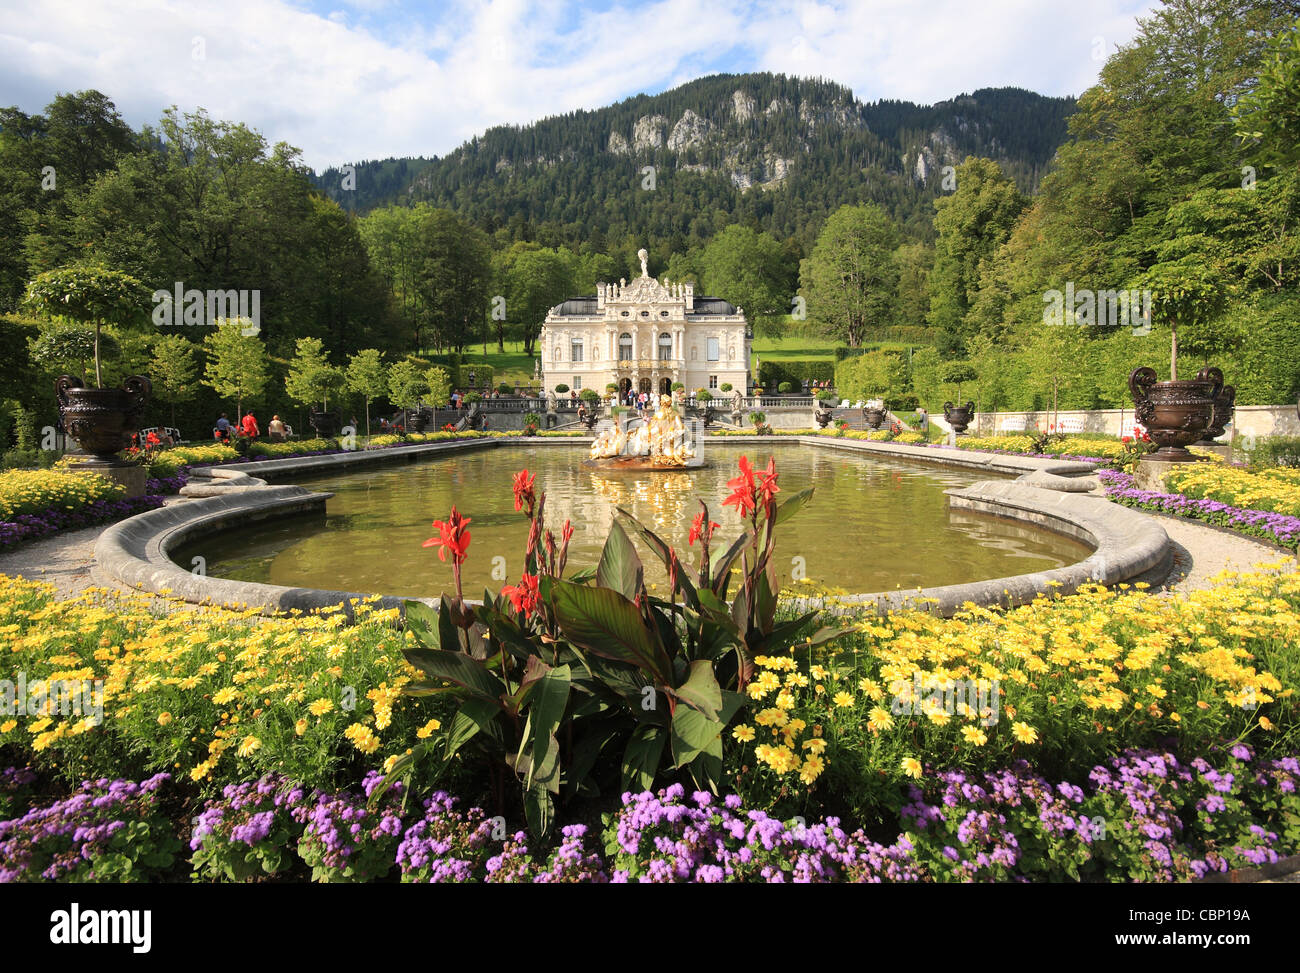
[(645, 336)]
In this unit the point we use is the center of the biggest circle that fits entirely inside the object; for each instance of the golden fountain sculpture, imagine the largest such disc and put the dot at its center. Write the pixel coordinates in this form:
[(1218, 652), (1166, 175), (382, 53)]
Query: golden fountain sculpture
[(659, 443)]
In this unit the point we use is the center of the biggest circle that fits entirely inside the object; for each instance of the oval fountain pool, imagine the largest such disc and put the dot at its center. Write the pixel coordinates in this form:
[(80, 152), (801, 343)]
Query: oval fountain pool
[(872, 524)]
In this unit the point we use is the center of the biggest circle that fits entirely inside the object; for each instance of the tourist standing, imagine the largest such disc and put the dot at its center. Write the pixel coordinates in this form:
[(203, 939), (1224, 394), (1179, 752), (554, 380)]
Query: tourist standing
[(250, 426), (923, 421), (222, 430)]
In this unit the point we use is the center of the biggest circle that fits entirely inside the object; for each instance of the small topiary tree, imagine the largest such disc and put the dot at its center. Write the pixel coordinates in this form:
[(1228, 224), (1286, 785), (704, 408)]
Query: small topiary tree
[(561, 389), (590, 396), (504, 389), (726, 387), (89, 296), (703, 395), (784, 388)]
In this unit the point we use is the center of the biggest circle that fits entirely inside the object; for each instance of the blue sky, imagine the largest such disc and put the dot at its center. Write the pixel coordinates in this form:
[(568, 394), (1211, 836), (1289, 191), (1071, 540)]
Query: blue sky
[(345, 81)]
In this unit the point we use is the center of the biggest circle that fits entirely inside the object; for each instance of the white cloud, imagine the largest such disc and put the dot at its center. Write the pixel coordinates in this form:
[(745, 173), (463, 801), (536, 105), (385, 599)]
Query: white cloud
[(372, 78)]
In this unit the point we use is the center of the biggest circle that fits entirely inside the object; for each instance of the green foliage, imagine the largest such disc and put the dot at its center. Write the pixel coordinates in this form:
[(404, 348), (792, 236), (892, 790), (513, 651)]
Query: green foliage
[(876, 374), (1267, 452), (1270, 114), (725, 387), (785, 387), (510, 182), (794, 371), (173, 369), (367, 376), (561, 388), (590, 396), (750, 270), (971, 224)]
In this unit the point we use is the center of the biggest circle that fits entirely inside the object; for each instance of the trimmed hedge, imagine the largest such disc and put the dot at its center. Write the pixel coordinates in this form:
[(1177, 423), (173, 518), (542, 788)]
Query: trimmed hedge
[(795, 371)]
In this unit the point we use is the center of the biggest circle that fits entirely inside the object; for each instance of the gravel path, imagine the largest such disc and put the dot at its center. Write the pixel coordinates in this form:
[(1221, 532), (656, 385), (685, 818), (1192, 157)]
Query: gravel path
[(1202, 551), (64, 560)]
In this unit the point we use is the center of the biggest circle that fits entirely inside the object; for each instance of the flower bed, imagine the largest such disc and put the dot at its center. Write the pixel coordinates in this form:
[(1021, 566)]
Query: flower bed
[(1076, 448), (1274, 490), (37, 503), (1143, 815), (1279, 528)]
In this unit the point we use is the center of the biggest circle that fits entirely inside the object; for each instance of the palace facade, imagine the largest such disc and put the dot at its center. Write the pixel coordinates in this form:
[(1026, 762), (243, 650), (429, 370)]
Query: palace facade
[(644, 336)]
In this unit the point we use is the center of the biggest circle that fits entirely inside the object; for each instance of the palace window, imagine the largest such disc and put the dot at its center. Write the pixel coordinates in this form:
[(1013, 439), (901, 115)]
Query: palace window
[(713, 349), (577, 382), (575, 348), (665, 347), (713, 381), (625, 347)]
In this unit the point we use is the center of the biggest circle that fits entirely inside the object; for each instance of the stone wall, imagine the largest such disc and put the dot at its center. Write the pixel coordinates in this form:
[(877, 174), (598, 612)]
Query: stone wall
[(1248, 420)]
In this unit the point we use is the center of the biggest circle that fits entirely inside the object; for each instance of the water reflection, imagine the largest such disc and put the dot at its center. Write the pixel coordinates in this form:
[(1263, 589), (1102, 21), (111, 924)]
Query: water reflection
[(871, 525)]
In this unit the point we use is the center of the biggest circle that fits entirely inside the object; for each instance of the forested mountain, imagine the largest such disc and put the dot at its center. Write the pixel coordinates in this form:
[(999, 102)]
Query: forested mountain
[(772, 151)]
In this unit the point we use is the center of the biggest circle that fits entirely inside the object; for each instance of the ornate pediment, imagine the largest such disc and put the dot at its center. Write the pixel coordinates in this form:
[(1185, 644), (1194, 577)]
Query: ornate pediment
[(646, 290)]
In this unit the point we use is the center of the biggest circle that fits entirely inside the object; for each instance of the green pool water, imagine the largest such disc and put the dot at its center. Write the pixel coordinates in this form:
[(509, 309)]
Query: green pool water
[(872, 525)]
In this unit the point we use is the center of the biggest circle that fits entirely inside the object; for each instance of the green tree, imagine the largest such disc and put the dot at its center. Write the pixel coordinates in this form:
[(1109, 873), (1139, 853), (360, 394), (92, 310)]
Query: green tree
[(367, 376), (407, 382), (237, 366), (311, 378), (173, 369), (454, 278), (971, 224), (850, 279), (91, 296), (748, 269), (438, 382), (534, 280)]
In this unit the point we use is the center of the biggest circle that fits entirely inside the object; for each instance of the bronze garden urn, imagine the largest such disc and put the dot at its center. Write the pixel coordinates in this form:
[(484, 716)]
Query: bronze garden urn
[(102, 421), (1224, 403), (959, 416), (1175, 414), (874, 417)]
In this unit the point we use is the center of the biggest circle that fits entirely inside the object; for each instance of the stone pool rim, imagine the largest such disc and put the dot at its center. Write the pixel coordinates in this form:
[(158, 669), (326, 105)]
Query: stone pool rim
[(1127, 544)]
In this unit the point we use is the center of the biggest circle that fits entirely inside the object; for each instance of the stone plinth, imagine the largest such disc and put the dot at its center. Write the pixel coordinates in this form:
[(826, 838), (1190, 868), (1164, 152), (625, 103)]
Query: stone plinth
[(1151, 474), (128, 475)]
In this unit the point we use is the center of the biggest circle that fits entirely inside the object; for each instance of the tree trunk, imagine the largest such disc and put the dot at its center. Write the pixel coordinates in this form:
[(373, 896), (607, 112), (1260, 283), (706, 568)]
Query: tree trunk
[(99, 383), (1173, 353)]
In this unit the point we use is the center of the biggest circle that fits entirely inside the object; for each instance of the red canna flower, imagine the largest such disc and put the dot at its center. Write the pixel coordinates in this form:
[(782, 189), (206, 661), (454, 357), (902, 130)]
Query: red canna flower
[(523, 487), (742, 489), (452, 536), (524, 597), (767, 488), (699, 530)]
